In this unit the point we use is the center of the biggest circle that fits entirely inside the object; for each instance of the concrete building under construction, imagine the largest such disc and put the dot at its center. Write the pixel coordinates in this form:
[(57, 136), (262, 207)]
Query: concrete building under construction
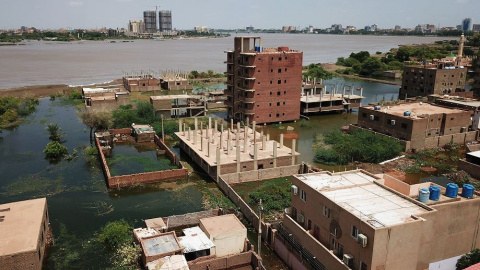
[(150, 20), (179, 105), (316, 99), (263, 84), (240, 152), (165, 20)]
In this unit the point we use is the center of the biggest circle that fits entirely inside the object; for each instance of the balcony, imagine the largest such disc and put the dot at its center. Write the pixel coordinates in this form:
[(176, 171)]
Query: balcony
[(249, 111), (247, 66), (249, 100)]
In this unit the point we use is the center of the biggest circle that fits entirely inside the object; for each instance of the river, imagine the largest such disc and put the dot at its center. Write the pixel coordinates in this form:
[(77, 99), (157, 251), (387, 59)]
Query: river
[(86, 62)]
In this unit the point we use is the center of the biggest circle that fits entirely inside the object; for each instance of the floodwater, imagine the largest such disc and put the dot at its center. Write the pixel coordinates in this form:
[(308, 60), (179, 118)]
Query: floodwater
[(87, 62)]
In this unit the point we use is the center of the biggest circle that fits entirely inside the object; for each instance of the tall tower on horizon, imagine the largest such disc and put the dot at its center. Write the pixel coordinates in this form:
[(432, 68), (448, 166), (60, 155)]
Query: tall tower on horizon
[(150, 20), (467, 24), (165, 20)]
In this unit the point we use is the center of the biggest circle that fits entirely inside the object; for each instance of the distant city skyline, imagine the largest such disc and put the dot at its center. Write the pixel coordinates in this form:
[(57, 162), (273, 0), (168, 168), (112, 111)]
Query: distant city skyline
[(223, 14)]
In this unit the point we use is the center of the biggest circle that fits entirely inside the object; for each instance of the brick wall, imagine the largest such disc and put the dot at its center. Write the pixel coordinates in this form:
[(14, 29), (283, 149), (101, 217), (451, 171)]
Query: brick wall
[(470, 168), (244, 261)]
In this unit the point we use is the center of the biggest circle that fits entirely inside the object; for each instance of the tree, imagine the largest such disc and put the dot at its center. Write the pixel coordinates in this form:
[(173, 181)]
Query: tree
[(96, 120), (145, 111), (55, 132), (55, 150), (468, 259), (316, 71), (370, 66), (360, 56)]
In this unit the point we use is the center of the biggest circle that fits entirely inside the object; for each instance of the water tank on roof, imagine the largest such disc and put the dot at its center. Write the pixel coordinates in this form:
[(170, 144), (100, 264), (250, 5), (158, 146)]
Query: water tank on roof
[(452, 190), (376, 108), (434, 193), (407, 113), (423, 195), (467, 191)]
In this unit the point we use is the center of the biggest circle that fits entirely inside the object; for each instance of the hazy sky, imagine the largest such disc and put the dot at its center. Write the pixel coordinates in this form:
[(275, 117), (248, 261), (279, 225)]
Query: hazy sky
[(238, 14)]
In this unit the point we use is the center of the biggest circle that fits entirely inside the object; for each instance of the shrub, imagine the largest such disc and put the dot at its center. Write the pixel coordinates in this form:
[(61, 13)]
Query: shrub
[(468, 259), (115, 234), (75, 94), (55, 150)]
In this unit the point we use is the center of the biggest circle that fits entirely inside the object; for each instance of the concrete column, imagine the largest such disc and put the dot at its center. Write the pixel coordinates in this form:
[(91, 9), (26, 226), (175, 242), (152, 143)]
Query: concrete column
[(221, 128), (196, 124), (255, 156), (293, 151), (228, 142), (238, 128), (254, 123), (201, 129), (264, 143), (281, 141), (209, 123), (221, 141), (201, 144), (207, 133), (183, 128), (245, 140), (188, 136), (195, 136), (231, 124), (274, 154), (218, 163), (268, 136), (238, 156), (215, 125), (208, 148), (180, 126), (247, 123)]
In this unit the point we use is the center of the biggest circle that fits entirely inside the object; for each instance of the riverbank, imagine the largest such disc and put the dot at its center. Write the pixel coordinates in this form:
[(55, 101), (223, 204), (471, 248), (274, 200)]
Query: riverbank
[(332, 67)]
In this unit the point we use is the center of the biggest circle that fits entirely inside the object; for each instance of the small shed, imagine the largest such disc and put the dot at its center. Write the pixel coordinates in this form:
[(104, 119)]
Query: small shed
[(143, 133), (196, 243), (226, 232), (159, 246)]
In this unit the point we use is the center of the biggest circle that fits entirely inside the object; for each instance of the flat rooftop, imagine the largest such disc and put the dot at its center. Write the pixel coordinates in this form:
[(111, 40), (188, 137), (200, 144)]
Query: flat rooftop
[(417, 109), (21, 225), (195, 240), (143, 128), (357, 193), (474, 154), (172, 97), (327, 97), (246, 154), (219, 225), (475, 103), (161, 244)]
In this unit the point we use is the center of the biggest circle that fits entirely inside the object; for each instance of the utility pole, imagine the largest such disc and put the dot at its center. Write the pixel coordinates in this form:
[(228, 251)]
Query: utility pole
[(260, 210)]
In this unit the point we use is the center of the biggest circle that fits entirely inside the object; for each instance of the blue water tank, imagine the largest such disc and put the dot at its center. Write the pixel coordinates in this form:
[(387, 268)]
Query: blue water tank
[(407, 113), (452, 190), (434, 193), (423, 195), (376, 108), (467, 191)]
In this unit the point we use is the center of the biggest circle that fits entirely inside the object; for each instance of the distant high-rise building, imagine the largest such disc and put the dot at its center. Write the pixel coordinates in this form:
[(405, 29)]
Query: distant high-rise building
[(397, 28), (476, 27), (467, 24), (374, 28), (150, 19), (165, 20)]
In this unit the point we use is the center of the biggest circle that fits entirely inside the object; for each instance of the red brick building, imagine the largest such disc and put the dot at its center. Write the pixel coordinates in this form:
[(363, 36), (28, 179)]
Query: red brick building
[(263, 84)]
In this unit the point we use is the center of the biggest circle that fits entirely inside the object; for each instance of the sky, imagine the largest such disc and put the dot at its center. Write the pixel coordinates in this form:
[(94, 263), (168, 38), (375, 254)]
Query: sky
[(229, 14)]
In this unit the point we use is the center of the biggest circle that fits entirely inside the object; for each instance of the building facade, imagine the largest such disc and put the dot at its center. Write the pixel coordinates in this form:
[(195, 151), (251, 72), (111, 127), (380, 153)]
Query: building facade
[(23, 232), (431, 79), (263, 85), (419, 125), (150, 20), (136, 26), (165, 20), (355, 220), (476, 77), (467, 24)]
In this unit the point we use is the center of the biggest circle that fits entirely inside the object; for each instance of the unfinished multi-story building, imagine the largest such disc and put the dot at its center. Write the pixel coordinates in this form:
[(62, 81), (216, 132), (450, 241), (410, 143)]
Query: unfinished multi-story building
[(476, 77), (150, 20), (418, 125), (165, 20), (263, 84), (432, 79), (23, 232), (355, 220)]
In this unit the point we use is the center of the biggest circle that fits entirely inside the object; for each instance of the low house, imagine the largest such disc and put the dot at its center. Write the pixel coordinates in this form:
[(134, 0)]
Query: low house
[(226, 232), (471, 164), (143, 133), (23, 234)]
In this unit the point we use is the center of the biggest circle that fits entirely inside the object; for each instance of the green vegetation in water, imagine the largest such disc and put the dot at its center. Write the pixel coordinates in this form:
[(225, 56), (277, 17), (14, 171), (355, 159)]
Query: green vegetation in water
[(147, 163), (116, 237), (13, 109), (338, 148), (317, 71), (34, 184)]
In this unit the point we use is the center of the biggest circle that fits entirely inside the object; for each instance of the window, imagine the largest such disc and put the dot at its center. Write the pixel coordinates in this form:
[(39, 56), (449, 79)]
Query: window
[(285, 68), (278, 93), (258, 82), (354, 232), (270, 115), (326, 212), (303, 195), (258, 105), (271, 70), (404, 126), (271, 93), (270, 104), (279, 82), (284, 103), (279, 70), (280, 58), (285, 92), (278, 115), (285, 81), (278, 103), (258, 70), (271, 82)]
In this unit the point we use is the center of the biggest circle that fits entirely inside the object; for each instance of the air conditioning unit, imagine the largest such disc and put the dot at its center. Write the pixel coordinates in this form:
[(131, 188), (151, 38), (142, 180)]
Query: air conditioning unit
[(301, 218), (348, 259), (372, 117), (392, 122), (362, 239), (294, 190)]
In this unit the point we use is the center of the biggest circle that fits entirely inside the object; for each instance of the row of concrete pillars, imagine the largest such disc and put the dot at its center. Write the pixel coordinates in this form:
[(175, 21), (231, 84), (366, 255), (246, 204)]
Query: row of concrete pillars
[(215, 142)]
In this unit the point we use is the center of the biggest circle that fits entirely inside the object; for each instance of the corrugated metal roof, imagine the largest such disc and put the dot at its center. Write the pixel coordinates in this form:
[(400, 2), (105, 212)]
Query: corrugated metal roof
[(195, 240), (160, 245)]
